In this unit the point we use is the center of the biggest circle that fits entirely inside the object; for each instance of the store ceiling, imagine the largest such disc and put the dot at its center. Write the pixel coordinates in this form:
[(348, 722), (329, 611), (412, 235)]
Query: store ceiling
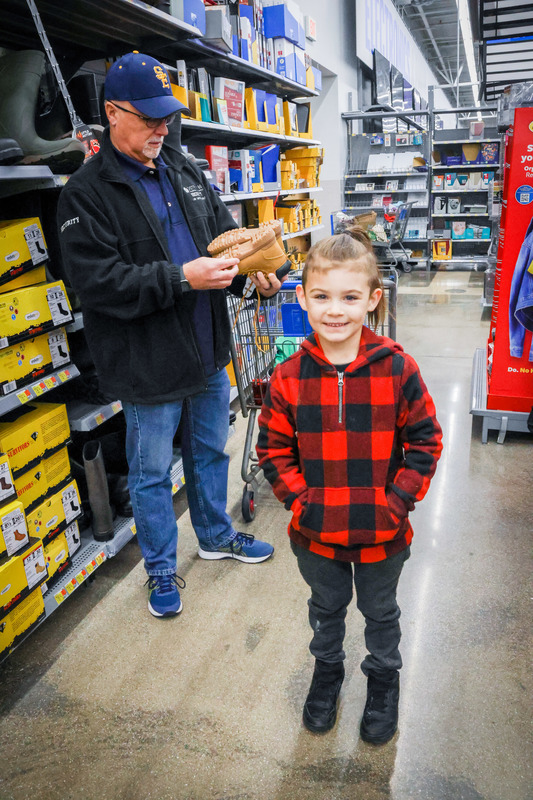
[(433, 24)]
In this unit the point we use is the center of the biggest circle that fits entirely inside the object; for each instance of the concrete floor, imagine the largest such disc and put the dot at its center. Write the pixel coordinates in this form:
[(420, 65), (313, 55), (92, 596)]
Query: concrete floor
[(104, 702)]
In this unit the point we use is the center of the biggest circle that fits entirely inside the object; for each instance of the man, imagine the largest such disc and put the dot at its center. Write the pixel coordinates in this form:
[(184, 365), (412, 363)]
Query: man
[(134, 233)]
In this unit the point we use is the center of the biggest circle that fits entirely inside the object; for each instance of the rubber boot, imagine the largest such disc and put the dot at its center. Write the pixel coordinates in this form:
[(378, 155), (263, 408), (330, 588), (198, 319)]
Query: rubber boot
[(55, 123), (20, 75), (95, 475), (10, 152), (320, 709), (380, 717)]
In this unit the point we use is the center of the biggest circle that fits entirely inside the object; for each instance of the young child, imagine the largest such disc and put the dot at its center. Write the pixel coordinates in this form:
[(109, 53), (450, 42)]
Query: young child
[(349, 440)]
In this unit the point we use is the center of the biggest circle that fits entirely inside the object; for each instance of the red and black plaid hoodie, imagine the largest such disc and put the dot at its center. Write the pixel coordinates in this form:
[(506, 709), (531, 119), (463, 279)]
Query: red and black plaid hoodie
[(349, 453)]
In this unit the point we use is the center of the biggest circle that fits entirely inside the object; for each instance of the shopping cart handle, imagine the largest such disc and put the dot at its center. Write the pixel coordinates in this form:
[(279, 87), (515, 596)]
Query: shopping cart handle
[(284, 270)]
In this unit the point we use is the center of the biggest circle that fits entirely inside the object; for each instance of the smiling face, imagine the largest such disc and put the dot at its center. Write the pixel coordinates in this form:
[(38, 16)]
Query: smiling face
[(131, 135), (337, 300)]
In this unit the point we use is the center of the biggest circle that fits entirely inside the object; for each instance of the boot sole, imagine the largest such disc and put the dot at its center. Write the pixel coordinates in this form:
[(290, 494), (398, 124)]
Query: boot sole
[(377, 739), (316, 728), (166, 613), (216, 555)]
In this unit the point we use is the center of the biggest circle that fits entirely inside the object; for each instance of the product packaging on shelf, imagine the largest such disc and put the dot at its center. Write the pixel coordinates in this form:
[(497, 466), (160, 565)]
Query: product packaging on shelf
[(190, 11), (24, 362), (41, 481), (33, 310), (33, 432), (20, 574), (37, 275), (13, 528), (21, 619), (55, 514), (22, 247), (57, 556)]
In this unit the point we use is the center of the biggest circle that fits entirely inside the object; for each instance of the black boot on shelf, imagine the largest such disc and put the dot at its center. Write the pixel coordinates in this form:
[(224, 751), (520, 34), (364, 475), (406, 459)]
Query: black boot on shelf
[(20, 76), (10, 152), (380, 717), (95, 475), (320, 709)]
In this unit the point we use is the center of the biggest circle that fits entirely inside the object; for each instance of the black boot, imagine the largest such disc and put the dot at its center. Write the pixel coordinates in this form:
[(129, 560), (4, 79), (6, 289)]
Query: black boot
[(320, 709), (95, 475), (380, 717)]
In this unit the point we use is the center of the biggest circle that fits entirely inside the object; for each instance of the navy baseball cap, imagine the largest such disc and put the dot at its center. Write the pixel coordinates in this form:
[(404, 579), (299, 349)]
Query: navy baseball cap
[(142, 81)]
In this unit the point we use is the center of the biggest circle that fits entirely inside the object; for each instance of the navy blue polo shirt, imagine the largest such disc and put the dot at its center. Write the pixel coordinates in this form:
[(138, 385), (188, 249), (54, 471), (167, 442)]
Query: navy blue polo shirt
[(181, 245)]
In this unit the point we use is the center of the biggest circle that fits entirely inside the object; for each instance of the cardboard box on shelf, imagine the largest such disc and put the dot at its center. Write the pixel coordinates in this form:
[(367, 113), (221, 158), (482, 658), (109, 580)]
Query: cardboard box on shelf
[(21, 619), (24, 362), (27, 312), (42, 480), (33, 432), (56, 555), (36, 276), (279, 22), (190, 11), (218, 28), (22, 247), (19, 574), (54, 515), (217, 156)]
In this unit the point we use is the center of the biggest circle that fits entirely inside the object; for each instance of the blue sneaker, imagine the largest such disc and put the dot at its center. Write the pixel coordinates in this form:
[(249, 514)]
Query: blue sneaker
[(243, 548), (164, 600)]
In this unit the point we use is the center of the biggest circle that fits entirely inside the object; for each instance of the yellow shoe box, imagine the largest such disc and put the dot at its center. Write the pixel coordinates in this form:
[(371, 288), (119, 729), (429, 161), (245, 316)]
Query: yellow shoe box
[(20, 574), (26, 361), (22, 247), (56, 555), (28, 312), (13, 529), (45, 478), (37, 275), (33, 432), (55, 514), (20, 619)]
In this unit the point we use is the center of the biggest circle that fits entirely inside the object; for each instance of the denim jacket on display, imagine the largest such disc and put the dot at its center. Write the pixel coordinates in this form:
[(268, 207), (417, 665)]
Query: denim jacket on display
[(521, 298)]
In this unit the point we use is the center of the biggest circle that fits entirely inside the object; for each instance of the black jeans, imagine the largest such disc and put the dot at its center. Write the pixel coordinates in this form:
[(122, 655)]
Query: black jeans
[(331, 585)]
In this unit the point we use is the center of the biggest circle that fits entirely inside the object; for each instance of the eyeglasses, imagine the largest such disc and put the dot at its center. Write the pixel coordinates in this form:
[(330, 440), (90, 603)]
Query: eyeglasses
[(150, 122)]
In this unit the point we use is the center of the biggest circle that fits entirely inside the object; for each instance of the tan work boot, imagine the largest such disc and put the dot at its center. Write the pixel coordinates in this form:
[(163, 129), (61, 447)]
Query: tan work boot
[(258, 249)]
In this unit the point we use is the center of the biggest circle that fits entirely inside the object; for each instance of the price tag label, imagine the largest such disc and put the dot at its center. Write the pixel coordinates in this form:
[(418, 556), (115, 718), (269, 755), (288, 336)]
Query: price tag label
[(35, 241), (82, 576), (50, 383), (116, 406), (99, 419), (100, 559), (60, 596), (24, 396), (39, 388), (71, 585), (89, 568), (64, 376)]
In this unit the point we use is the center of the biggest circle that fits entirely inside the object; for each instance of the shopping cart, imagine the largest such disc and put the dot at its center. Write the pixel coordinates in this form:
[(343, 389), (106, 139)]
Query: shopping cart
[(263, 335), (389, 250)]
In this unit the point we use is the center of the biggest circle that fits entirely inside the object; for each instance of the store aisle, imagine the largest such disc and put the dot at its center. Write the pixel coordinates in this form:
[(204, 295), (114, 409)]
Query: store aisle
[(105, 702)]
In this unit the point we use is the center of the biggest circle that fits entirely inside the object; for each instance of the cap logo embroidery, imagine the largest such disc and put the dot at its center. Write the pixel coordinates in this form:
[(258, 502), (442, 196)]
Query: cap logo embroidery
[(162, 76)]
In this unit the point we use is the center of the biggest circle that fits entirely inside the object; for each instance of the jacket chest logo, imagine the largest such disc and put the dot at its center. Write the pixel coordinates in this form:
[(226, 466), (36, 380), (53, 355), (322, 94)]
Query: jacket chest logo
[(195, 191)]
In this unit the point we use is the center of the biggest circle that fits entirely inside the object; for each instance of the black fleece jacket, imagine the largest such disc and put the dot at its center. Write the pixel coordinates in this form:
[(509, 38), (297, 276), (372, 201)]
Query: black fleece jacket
[(138, 322)]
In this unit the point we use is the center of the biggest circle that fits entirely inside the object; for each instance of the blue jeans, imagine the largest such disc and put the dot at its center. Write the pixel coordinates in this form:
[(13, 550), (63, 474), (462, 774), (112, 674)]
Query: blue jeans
[(149, 435)]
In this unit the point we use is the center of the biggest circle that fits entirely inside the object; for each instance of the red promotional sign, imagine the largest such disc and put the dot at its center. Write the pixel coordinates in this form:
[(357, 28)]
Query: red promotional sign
[(510, 347)]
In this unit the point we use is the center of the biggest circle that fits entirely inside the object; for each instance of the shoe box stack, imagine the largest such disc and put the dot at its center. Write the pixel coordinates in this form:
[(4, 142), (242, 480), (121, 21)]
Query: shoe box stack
[(298, 215), (300, 167), (39, 501)]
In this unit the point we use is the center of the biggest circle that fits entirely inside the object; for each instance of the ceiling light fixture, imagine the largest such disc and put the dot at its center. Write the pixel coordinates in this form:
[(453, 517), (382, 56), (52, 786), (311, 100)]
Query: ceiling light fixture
[(466, 31)]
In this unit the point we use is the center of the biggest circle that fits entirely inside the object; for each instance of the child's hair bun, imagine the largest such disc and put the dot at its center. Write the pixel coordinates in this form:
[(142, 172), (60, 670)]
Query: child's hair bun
[(356, 233)]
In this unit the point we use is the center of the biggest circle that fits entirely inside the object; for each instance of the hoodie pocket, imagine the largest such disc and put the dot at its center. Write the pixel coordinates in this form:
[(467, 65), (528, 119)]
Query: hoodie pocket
[(348, 516)]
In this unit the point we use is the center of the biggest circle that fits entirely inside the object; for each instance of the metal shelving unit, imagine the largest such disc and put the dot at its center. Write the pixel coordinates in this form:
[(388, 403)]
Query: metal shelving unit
[(361, 149), (465, 251), (501, 421)]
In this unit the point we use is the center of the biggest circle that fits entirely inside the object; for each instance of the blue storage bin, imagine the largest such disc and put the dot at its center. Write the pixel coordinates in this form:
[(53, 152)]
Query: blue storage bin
[(294, 320)]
